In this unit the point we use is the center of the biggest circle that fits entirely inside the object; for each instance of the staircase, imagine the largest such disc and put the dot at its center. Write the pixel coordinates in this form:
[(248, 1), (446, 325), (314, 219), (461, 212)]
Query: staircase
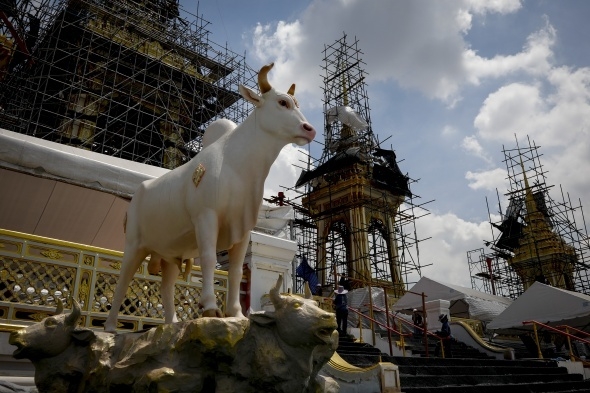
[(467, 371)]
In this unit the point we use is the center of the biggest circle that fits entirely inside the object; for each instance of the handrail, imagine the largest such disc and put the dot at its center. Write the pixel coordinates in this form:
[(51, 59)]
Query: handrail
[(496, 348), (556, 330), (385, 326), (569, 342), (424, 331), (574, 329)]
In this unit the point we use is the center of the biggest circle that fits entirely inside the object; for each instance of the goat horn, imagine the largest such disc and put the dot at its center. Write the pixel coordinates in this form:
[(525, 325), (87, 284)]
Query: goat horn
[(307, 291), (263, 78), (275, 296), (72, 319), (291, 90), (60, 306)]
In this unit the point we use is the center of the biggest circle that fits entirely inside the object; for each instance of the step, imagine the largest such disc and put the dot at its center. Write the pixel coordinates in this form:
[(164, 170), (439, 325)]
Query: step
[(547, 387), (358, 348), (481, 370), (462, 380), (418, 361)]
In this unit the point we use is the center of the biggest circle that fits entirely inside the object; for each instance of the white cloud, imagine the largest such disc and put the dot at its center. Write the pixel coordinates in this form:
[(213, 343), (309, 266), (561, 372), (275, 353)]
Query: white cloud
[(497, 6), (535, 58), (513, 109), (419, 44), (275, 44), (487, 180), (285, 171), (471, 145), (554, 113), (449, 131), (451, 238)]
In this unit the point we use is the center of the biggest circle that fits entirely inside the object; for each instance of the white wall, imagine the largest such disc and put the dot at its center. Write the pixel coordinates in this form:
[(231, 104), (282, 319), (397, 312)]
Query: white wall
[(270, 256)]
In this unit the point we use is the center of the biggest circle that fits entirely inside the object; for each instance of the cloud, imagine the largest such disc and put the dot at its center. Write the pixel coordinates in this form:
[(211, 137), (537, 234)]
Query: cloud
[(513, 109), (418, 44), (285, 171), (495, 6), (553, 114), (535, 58), (471, 145), (450, 239), (487, 180)]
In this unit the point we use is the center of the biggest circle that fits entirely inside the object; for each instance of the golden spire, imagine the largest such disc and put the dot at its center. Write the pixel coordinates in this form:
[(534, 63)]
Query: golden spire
[(531, 206), (541, 252)]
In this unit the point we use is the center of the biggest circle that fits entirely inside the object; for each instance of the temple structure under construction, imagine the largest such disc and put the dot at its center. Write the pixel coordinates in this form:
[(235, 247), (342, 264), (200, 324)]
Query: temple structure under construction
[(355, 220), (139, 80), (537, 239)]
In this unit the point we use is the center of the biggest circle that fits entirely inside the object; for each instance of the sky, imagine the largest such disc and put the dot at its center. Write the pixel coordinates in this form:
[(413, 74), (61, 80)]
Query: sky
[(450, 83)]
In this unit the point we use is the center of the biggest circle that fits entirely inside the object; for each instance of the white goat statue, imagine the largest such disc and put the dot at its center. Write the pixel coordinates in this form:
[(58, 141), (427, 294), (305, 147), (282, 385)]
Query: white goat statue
[(211, 203)]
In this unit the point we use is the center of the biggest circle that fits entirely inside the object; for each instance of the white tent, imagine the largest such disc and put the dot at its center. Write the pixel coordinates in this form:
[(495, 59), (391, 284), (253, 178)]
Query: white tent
[(465, 302), (545, 304)]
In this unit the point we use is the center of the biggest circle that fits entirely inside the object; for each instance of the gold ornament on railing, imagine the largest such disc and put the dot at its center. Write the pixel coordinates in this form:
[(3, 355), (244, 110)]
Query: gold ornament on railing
[(38, 317), (51, 254)]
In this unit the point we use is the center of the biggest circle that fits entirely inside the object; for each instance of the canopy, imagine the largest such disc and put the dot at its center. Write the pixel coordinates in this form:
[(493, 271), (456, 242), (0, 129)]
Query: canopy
[(71, 194), (545, 304), (465, 302), (73, 165)]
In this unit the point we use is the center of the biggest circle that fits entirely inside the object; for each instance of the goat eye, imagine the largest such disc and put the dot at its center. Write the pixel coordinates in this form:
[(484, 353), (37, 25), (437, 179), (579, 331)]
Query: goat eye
[(297, 305), (50, 322), (284, 103)]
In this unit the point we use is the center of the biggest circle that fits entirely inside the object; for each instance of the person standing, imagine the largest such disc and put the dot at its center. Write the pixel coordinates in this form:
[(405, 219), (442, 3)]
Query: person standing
[(341, 306), (445, 334), (417, 321)]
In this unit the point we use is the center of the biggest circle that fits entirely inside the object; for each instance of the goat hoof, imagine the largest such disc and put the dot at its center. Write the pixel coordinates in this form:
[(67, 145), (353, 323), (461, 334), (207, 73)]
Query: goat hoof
[(213, 313)]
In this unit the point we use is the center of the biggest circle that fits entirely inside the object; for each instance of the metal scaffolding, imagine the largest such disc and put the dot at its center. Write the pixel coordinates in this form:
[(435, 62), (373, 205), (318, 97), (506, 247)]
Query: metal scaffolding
[(135, 79), (538, 238), (355, 216)]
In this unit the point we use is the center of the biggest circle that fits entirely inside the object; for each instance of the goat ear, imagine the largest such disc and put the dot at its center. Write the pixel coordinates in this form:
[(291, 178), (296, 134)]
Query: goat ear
[(251, 96), (263, 318), (82, 335)]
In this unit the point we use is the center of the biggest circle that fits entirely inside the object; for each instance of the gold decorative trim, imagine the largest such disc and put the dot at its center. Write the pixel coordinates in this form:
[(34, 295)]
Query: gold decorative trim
[(84, 291), (337, 363), (478, 339), (38, 316), (115, 265), (52, 254), (198, 174), (88, 260), (61, 243)]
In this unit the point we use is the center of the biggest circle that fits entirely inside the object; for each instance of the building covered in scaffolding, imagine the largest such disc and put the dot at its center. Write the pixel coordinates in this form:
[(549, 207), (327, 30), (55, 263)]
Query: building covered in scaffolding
[(538, 238), (134, 79), (355, 221)]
